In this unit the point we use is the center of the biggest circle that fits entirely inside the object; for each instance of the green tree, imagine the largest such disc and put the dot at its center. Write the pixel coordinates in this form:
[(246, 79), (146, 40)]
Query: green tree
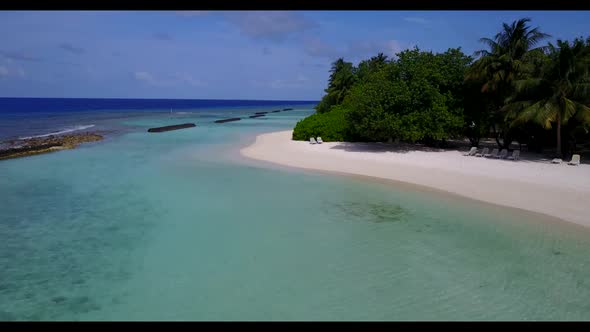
[(373, 65), (375, 108), (559, 94), (506, 60), (341, 79), (417, 97)]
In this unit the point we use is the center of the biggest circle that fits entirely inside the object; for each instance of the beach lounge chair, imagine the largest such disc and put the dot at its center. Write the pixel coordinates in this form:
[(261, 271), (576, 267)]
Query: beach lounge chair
[(515, 155), (471, 152), (483, 152), (575, 160), (312, 140), (502, 154), (494, 154), (556, 161), (320, 140)]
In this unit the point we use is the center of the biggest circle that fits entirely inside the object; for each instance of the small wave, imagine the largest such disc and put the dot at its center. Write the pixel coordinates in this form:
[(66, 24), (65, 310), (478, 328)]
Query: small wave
[(182, 112), (69, 130)]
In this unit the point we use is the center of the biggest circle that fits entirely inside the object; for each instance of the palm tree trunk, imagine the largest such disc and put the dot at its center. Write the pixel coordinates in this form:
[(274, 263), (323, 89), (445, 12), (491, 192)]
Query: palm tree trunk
[(558, 148)]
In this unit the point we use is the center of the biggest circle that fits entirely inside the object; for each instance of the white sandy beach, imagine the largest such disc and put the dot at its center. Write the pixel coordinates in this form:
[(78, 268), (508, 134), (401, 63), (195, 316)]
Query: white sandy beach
[(561, 191)]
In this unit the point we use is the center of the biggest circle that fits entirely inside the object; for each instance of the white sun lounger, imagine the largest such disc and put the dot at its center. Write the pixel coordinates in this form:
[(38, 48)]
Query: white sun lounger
[(556, 161), (483, 152), (494, 154), (575, 160), (320, 140), (502, 154), (312, 140), (471, 152), (515, 155)]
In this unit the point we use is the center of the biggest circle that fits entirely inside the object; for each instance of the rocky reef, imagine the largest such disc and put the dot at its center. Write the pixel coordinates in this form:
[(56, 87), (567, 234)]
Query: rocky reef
[(37, 145)]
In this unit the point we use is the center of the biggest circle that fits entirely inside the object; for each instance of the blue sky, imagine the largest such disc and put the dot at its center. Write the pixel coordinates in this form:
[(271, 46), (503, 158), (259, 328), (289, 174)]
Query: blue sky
[(227, 55)]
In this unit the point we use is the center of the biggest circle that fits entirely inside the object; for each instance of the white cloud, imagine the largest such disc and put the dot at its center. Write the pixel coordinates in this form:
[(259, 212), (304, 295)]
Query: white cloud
[(270, 25), (15, 72), (72, 48), (192, 13), (174, 80), (391, 47), (316, 47), (145, 77), (298, 82), (19, 72), (354, 51), (163, 36), (419, 20), (18, 56), (188, 79), (3, 71), (364, 49)]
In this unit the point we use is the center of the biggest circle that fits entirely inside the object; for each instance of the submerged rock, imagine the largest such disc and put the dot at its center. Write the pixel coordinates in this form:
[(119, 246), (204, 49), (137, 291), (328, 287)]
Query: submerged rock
[(82, 304), (6, 316), (373, 212), (58, 299), (78, 281)]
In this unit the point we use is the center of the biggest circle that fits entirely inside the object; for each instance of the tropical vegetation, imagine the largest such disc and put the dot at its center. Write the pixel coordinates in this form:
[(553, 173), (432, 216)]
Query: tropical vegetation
[(517, 89)]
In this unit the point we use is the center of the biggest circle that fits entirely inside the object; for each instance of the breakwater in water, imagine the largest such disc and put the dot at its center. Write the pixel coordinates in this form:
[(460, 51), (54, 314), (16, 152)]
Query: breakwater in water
[(173, 127), (228, 120)]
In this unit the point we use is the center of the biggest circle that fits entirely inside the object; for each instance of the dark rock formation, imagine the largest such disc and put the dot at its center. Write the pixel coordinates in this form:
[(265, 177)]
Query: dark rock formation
[(256, 116), (228, 120), (37, 145), (276, 111), (260, 113), (287, 109), (169, 128)]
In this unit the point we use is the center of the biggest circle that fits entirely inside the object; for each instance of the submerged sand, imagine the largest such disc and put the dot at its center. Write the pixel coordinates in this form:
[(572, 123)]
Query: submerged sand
[(531, 184)]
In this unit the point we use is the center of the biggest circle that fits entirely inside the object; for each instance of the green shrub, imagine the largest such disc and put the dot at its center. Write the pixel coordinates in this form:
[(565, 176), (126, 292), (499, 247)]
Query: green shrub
[(330, 126)]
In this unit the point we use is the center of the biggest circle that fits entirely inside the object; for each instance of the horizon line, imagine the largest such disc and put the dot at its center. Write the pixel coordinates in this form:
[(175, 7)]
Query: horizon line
[(119, 98)]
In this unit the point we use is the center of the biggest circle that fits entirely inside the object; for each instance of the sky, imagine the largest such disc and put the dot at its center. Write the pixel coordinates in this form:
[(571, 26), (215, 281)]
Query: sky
[(268, 55)]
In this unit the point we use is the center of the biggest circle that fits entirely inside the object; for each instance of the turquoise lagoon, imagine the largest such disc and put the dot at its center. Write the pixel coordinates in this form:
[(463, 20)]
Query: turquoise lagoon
[(178, 226)]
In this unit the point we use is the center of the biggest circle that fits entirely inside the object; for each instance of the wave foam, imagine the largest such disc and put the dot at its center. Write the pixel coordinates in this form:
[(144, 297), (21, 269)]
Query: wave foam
[(64, 131)]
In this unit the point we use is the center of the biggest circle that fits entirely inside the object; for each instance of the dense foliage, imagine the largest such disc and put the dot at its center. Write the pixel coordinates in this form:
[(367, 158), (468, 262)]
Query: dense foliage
[(514, 90), (330, 126)]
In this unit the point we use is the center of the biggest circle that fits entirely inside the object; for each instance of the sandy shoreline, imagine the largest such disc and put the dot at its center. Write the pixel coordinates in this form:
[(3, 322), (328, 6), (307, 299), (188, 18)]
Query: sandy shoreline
[(561, 191)]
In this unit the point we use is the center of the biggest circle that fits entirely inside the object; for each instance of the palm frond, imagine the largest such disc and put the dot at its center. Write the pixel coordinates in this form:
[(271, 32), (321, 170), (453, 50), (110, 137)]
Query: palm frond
[(569, 110), (581, 91), (526, 111), (547, 114), (583, 114)]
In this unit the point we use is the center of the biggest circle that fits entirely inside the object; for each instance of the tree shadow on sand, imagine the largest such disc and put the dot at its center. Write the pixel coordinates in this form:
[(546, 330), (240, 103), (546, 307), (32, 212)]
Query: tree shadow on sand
[(459, 146), (386, 147)]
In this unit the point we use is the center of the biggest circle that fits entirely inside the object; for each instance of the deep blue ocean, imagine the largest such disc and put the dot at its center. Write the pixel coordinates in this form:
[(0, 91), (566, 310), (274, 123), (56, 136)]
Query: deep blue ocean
[(26, 117)]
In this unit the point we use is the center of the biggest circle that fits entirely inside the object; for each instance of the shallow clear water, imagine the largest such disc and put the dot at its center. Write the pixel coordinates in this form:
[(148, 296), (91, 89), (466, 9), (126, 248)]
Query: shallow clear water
[(176, 226)]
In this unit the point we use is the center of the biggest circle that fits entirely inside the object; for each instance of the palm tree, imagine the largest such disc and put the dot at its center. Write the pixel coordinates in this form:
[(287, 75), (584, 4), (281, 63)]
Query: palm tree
[(559, 94), (379, 60), (342, 77), (341, 80), (507, 53), (506, 59)]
